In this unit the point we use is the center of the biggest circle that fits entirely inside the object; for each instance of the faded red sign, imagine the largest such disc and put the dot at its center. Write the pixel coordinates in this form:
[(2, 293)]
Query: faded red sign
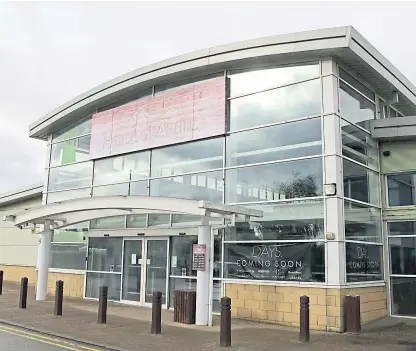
[(193, 112)]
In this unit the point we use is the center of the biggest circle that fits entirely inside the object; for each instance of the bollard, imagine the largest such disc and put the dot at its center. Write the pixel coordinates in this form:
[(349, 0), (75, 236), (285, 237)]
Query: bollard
[(59, 296), (304, 319), (1, 282), (225, 328), (102, 305), (23, 292), (157, 313), (352, 314)]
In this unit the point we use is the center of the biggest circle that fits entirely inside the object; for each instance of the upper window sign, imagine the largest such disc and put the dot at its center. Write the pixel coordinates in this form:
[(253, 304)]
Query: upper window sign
[(193, 112)]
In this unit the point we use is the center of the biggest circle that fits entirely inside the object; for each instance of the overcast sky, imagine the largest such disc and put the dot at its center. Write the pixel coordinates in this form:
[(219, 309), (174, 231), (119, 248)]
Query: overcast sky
[(50, 52)]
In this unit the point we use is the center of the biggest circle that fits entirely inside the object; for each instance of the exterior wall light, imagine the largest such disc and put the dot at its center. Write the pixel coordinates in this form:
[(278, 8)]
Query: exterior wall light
[(330, 189)]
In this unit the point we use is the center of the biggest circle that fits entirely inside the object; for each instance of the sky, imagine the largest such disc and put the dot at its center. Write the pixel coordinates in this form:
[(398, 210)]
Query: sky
[(51, 52)]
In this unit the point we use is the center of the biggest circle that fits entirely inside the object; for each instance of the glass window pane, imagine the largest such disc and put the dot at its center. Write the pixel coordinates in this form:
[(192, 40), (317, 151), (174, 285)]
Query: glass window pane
[(68, 256), (403, 291), (121, 168), (96, 280), (139, 188), (288, 180), (186, 82), (71, 233), (104, 254), (68, 195), (132, 270), (137, 221), (401, 189), (179, 284), (126, 100), (184, 219), (116, 222), (279, 142), (403, 255), (354, 107), (275, 262), (204, 186), (159, 219), (253, 81), (358, 145), (363, 262), (356, 84), (190, 157), (181, 255), (278, 105), (70, 151), (402, 228), (108, 190), (70, 177), (298, 220), (74, 130), (360, 183), (362, 223)]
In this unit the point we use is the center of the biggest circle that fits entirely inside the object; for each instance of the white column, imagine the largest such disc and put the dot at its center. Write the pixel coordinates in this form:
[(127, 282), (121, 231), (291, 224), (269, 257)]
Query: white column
[(44, 254), (203, 277)]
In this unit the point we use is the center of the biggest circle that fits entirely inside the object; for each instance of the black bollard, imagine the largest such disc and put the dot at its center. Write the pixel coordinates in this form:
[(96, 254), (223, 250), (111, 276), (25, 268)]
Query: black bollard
[(102, 305), (157, 313), (304, 319), (225, 328), (352, 314), (1, 282), (59, 297), (23, 292)]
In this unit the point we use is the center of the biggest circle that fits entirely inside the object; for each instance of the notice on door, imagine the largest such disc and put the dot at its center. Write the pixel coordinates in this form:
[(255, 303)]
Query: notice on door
[(199, 253)]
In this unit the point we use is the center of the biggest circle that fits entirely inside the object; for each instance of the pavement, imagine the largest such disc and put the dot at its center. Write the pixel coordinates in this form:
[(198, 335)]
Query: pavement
[(128, 329)]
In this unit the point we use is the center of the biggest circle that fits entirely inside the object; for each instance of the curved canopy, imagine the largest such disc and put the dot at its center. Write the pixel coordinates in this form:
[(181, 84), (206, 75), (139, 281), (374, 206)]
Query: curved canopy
[(65, 213)]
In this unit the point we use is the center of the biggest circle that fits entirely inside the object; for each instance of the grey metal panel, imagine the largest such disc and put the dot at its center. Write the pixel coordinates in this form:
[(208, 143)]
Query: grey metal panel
[(400, 128)]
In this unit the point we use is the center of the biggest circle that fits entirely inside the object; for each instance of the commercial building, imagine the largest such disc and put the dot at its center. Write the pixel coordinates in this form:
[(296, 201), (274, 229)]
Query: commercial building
[(289, 160)]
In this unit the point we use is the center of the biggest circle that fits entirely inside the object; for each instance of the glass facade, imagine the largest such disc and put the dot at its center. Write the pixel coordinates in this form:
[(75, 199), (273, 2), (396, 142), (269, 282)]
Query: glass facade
[(271, 158)]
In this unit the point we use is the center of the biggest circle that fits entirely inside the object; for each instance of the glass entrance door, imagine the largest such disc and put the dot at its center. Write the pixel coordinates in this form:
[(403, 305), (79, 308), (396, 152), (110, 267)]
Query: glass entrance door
[(156, 268), (132, 270)]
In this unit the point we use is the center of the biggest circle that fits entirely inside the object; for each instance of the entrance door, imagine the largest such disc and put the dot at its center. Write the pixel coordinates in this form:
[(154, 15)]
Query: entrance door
[(156, 268), (145, 270)]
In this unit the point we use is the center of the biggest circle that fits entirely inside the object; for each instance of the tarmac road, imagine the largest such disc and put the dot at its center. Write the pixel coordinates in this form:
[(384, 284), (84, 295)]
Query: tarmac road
[(16, 339)]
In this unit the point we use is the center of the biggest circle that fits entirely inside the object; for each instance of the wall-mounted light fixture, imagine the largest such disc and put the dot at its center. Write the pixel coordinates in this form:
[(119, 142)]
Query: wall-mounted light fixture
[(330, 189)]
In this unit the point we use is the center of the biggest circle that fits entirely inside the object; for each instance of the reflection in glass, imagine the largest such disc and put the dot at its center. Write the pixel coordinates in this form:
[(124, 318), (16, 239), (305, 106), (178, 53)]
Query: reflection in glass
[(358, 145), (354, 107), (403, 291), (403, 255), (204, 186), (282, 104), (157, 256), (299, 220), (290, 140), (115, 222), (121, 168), (69, 177), (186, 219), (108, 190), (132, 270), (256, 80), (159, 219), (190, 157), (71, 233), (363, 262), (68, 256), (402, 228), (181, 255), (401, 189), (139, 188), (356, 84), (104, 254), (275, 261), (179, 284), (137, 221), (78, 128), (360, 183), (70, 151), (287, 180), (68, 195), (95, 280), (362, 223)]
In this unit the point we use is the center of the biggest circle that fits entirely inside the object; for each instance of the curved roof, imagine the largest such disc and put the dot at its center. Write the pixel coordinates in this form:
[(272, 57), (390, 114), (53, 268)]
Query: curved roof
[(344, 43)]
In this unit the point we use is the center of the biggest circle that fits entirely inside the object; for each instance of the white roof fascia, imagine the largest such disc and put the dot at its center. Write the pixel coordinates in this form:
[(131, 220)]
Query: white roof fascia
[(21, 194)]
